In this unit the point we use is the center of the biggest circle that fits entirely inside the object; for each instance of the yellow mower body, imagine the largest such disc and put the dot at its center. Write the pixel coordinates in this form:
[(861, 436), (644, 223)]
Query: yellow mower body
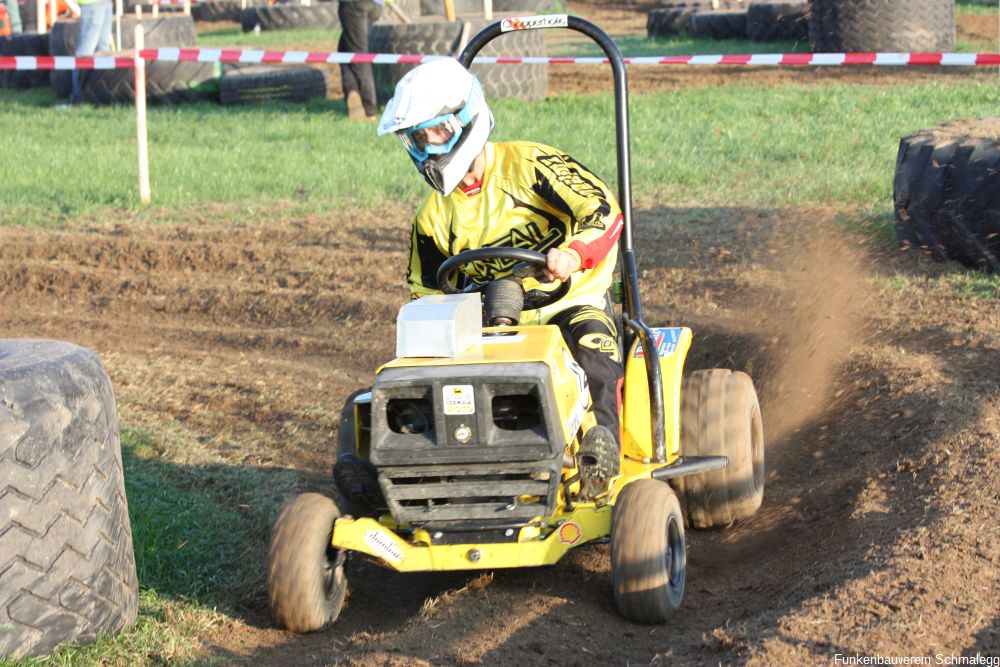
[(546, 537)]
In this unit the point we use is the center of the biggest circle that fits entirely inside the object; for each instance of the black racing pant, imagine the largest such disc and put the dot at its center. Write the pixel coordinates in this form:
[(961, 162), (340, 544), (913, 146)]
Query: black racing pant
[(592, 337), (355, 16)]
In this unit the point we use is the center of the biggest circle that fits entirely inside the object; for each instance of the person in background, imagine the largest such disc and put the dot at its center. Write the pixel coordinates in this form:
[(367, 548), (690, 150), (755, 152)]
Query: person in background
[(14, 14), (357, 78), (94, 35)]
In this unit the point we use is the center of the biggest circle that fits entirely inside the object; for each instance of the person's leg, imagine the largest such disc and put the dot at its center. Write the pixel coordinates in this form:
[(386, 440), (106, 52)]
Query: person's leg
[(351, 22), (104, 38), (592, 337), (354, 18), (14, 12), (91, 26)]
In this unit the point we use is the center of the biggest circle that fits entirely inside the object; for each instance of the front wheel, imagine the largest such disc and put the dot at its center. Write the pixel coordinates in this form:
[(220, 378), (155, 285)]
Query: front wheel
[(305, 574), (648, 552)]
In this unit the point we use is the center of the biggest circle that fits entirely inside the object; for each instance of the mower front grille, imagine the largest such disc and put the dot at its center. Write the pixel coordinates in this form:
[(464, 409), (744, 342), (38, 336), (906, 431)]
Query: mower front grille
[(479, 495)]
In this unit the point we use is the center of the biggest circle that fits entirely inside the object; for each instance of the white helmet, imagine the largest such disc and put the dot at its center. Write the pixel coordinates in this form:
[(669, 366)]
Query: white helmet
[(439, 93)]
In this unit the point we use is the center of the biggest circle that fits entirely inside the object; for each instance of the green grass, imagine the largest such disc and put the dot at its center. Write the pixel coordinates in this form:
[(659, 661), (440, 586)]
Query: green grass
[(200, 534), (738, 145), (299, 40)]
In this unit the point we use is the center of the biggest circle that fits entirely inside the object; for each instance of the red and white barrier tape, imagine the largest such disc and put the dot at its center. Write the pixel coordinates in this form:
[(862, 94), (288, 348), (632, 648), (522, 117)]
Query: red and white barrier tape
[(298, 57), (64, 62), (205, 55)]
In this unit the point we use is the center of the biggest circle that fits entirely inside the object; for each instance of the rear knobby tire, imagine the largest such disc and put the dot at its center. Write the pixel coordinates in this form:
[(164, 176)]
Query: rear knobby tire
[(67, 569), (720, 416), (648, 552), (305, 575)]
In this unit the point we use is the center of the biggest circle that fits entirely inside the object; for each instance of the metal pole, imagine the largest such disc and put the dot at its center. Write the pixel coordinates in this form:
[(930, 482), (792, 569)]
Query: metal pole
[(140, 116)]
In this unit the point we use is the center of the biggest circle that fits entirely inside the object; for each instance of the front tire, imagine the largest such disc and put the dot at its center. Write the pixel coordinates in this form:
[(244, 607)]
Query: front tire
[(648, 552), (306, 585)]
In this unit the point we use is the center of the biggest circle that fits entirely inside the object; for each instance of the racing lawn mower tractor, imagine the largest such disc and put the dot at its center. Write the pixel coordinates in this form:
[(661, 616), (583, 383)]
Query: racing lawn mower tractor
[(468, 453)]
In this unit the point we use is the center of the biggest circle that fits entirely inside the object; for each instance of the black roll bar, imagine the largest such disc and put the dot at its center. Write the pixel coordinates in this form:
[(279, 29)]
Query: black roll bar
[(632, 305)]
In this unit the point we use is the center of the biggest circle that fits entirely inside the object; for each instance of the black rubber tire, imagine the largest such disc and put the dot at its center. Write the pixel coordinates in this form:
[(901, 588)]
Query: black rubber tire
[(67, 570), (306, 585), (262, 83), (212, 11), (24, 45), (672, 18), (882, 25), (356, 479), (433, 37), (723, 24), (320, 15), (521, 7), (720, 416), (166, 82), (947, 195), (648, 552), (777, 21)]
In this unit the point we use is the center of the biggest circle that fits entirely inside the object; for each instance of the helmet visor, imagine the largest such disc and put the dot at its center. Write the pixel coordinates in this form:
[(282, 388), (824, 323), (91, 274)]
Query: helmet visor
[(436, 136)]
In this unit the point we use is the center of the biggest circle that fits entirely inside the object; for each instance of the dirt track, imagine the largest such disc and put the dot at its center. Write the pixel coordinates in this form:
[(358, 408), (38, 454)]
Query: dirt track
[(877, 533), (881, 403)]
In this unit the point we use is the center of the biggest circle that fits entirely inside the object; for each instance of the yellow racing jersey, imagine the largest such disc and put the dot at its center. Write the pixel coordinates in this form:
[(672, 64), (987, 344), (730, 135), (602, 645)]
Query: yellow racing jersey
[(531, 196)]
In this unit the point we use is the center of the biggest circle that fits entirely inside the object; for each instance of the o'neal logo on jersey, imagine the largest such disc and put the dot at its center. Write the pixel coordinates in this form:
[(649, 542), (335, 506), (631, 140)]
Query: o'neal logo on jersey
[(528, 237), (568, 172)]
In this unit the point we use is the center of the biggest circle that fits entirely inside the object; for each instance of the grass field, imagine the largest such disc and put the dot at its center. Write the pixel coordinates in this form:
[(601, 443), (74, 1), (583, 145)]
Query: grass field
[(833, 144), (737, 146)]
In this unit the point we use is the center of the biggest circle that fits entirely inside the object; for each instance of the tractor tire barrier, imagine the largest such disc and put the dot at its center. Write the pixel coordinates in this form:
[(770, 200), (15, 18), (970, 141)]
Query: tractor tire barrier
[(67, 569), (947, 194), (882, 25)]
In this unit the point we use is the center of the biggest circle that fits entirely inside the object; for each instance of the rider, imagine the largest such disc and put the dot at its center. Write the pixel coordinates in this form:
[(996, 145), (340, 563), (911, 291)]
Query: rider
[(512, 194)]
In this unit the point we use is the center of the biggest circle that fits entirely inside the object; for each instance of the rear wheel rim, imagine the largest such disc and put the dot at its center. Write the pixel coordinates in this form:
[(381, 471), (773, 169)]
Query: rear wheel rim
[(757, 449), (674, 556)]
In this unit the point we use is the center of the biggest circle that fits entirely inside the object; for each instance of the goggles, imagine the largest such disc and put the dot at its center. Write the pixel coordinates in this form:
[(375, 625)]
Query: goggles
[(446, 128)]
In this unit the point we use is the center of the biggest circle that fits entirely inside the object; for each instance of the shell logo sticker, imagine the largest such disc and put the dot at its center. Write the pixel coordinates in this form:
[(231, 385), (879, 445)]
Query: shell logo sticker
[(570, 533)]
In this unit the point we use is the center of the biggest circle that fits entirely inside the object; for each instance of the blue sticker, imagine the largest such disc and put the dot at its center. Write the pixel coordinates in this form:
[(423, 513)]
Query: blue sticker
[(666, 342)]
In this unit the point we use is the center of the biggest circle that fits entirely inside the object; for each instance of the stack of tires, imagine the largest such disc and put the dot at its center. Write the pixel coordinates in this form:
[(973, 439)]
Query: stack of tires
[(24, 45), (431, 35), (290, 16), (758, 21), (166, 82), (67, 570)]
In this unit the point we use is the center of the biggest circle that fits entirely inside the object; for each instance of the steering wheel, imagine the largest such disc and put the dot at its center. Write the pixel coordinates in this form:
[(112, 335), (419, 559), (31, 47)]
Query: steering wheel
[(531, 264)]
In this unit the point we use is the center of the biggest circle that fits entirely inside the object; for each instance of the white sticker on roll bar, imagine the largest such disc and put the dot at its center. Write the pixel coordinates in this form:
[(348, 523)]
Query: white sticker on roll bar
[(534, 22)]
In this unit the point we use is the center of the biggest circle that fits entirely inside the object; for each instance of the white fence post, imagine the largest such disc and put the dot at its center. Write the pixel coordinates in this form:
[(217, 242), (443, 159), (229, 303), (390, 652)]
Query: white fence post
[(140, 116)]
